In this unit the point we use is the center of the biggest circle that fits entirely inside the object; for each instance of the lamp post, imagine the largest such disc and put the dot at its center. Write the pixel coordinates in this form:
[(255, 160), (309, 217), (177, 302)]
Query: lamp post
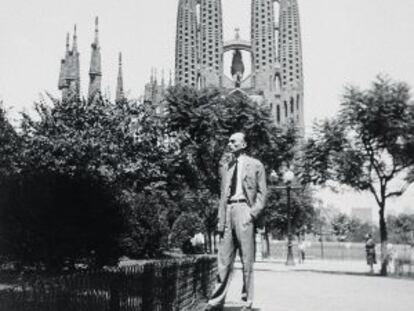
[(288, 177)]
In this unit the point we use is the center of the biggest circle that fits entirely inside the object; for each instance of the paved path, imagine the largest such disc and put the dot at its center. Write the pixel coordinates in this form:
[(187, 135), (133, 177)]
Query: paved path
[(323, 286)]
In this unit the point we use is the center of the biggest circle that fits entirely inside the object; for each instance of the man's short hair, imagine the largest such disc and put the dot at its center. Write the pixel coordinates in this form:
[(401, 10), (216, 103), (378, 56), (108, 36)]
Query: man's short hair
[(244, 136)]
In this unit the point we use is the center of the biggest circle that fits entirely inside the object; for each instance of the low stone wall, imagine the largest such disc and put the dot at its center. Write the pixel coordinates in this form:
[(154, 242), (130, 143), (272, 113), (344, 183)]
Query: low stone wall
[(179, 284)]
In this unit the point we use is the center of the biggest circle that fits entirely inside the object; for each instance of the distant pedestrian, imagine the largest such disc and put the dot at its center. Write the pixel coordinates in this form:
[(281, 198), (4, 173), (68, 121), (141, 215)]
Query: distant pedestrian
[(370, 251), (302, 251)]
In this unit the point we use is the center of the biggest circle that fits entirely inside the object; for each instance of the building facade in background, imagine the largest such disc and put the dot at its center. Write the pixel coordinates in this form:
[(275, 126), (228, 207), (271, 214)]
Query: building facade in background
[(274, 47), (364, 214)]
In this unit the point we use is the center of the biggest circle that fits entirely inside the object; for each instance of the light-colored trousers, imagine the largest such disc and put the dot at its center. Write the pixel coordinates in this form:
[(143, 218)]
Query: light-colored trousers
[(238, 235)]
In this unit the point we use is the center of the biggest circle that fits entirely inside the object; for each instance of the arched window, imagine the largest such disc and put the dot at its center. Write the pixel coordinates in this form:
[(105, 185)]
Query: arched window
[(297, 102), (277, 84), (286, 109), (292, 105), (278, 113)]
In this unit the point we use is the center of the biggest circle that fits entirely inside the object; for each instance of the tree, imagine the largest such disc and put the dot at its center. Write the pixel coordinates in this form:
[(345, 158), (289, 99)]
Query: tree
[(53, 221), (201, 123), (119, 147), (367, 146), (9, 146), (146, 220), (342, 226), (122, 142), (401, 228), (349, 229), (184, 228), (302, 215)]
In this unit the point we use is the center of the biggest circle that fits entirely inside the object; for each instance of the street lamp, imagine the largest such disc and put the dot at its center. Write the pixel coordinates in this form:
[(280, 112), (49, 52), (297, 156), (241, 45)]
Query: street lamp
[(288, 177)]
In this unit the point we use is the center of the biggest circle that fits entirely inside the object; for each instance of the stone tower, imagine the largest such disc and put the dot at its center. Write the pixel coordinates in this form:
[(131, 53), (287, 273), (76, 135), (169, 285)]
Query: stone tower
[(95, 72), (155, 91), (211, 43), (73, 75), (120, 94), (290, 50), (187, 44), (63, 84), (276, 77), (69, 77), (263, 41)]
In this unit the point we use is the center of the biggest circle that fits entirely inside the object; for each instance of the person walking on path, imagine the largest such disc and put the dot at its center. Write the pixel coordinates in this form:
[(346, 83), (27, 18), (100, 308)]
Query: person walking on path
[(243, 194), (370, 251)]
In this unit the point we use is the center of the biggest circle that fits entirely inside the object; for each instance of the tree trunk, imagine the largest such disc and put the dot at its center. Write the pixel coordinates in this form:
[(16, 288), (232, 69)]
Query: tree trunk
[(267, 244), (214, 244), (384, 239)]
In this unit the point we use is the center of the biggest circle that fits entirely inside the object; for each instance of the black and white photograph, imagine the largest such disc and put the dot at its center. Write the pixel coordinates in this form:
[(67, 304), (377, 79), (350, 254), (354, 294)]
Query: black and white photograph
[(206, 155)]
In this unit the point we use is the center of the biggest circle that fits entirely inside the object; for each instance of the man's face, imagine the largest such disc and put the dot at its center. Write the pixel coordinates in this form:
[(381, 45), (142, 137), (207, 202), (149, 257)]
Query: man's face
[(237, 142)]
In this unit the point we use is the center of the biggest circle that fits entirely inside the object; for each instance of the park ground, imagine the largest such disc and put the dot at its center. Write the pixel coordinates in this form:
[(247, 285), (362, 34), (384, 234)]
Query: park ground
[(323, 286)]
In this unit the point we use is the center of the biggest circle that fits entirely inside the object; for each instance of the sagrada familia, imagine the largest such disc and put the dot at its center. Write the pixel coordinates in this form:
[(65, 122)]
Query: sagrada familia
[(69, 77), (275, 50)]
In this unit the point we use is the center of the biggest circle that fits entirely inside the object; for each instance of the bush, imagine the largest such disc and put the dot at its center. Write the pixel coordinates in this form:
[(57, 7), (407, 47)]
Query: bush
[(184, 229), (53, 221), (146, 225)]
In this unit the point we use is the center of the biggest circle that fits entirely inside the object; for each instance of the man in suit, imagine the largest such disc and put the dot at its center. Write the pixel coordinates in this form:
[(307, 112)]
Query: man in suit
[(243, 194)]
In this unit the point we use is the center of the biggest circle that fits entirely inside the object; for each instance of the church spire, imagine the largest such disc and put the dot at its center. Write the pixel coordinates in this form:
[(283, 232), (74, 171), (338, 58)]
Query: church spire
[(73, 68), (95, 71), (120, 82), (65, 70), (75, 40), (96, 31), (67, 43), (62, 84)]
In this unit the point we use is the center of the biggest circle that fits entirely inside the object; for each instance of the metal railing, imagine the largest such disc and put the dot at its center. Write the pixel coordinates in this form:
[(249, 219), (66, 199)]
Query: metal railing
[(159, 285)]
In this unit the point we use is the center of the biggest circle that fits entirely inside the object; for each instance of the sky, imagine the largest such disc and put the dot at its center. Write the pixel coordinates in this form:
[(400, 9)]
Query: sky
[(344, 42)]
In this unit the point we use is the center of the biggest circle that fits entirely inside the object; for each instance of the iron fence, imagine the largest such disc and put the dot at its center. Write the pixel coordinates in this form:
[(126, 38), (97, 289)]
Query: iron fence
[(163, 285)]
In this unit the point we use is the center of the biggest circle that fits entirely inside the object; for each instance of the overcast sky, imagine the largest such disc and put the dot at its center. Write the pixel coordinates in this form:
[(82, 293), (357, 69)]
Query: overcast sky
[(343, 42)]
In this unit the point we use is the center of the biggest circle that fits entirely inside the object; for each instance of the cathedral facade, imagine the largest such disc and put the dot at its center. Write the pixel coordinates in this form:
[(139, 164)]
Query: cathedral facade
[(275, 53)]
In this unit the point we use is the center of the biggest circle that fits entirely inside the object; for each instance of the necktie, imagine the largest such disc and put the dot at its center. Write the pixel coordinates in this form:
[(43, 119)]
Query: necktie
[(234, 180)]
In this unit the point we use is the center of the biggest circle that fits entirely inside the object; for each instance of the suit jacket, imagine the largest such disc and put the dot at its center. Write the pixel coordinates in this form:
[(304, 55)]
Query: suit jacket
[(253, 185)]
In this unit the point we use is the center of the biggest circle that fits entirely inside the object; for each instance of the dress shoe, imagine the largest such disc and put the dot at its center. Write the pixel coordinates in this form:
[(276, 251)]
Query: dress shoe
[(246, 308), (214, 308)]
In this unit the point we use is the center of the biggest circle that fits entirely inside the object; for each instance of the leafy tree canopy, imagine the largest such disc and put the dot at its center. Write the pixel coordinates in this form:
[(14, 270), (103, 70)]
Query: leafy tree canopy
[(9, 145), (401, 228), (368, 145), (302, 212), (204, 120), (122, 142)]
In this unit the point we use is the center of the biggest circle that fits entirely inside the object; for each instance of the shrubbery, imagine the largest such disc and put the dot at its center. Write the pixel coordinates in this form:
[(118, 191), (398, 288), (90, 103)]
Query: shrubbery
[(87, 181), (146, 224), (184, 229), (52, 221)]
